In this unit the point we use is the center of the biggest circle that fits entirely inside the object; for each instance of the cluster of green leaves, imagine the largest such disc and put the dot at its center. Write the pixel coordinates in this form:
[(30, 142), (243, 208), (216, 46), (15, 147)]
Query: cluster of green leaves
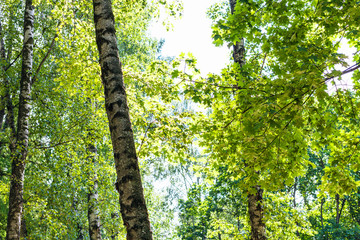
[(68, 116), (271, 123), (262, 118)]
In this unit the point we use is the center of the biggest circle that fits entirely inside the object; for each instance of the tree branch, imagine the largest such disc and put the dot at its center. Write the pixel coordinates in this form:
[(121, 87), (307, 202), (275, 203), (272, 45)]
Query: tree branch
[(44, 59)]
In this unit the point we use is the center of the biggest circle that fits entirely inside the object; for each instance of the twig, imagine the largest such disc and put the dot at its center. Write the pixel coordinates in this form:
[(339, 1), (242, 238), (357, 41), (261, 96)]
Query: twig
[(7, 68), (145, 134), (262, 67), (276, 137), (348, 70)]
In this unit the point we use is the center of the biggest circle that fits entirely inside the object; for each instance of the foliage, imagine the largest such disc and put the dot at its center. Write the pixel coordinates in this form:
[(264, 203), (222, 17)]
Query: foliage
[(273, 123)]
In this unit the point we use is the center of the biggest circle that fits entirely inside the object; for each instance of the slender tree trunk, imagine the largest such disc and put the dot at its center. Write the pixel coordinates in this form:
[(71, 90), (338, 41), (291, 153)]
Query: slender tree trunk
[(321, 212), (337, 200), (2, 110), (2, 63), (93, 210), (294, 194), (128, 184), (6, 101), (20, 152), (338, 207), (255, 206)]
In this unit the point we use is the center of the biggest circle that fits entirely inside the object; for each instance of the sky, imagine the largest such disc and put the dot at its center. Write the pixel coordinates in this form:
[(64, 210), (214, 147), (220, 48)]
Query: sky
[(192, 33)]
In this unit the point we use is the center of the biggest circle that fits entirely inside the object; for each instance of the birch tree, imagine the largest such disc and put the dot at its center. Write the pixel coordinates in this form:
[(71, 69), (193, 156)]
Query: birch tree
[(128, 183), (19, 154)]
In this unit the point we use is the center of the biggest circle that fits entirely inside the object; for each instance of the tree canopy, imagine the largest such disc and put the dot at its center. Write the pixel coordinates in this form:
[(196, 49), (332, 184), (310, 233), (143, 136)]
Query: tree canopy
[(266, 149)]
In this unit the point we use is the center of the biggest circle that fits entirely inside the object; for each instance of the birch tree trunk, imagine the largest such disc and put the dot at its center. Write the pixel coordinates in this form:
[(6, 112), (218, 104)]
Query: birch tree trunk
[(93, 210), (255, 206), (21, 147), (2, 64), (128, 184)]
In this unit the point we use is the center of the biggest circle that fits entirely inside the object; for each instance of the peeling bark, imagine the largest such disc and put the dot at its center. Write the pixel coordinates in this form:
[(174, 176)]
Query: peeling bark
[(20, 152), (93, 210), (128, 184)]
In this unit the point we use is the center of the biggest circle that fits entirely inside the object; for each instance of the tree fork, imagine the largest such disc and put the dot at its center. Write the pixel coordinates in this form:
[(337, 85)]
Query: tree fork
[(131, 197), (20, 152)]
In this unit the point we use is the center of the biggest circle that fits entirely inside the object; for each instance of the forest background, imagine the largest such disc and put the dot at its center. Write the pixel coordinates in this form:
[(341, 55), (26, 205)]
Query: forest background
[(265, 148)]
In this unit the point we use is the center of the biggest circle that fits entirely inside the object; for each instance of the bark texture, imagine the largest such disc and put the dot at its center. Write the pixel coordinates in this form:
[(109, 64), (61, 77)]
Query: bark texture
[(255, 206), (20, 151), (2, 63), (93, 210), (239, 47), (256, 212), (128, 184)]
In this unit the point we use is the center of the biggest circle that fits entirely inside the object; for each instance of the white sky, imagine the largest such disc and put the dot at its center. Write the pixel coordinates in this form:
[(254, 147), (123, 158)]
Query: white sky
[(192, 33)]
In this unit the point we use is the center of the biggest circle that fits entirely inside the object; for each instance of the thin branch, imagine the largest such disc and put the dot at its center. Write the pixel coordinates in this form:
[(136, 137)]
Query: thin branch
[(262, 67), (276, 137), (7, 68), (44, 59), (348, 70), (221, 86), (145, 134), (228, 124), (213, 84)]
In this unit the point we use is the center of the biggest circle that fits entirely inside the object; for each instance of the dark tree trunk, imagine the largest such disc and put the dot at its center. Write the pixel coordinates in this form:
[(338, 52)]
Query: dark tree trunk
[(128, 184), (338, 207), (239, 47), (93, 209), (21, 147), (321, 212), (256, 212)]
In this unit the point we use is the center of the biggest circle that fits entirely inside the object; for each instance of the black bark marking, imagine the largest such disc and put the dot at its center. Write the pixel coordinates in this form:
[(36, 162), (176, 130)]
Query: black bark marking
[(110, 106), (131, 155), (118, 88), (136, 202), (128, 128), (112, 128), (119, 115), (122, 137), (132, 166), (126, 179), (117, 187), (106, 89)]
